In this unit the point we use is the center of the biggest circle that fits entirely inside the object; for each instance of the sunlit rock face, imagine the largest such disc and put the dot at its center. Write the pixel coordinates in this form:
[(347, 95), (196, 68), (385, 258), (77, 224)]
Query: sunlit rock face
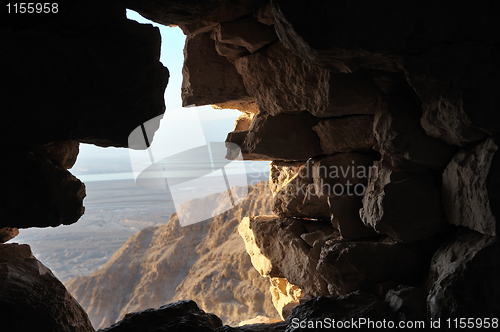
[(302, 189), (205, 262), (284, 294), (471, 187), (209, 78), (32, 298)]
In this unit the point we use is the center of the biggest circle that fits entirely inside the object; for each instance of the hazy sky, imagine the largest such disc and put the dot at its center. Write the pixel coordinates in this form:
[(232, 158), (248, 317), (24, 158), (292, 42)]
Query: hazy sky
[(215, 123)]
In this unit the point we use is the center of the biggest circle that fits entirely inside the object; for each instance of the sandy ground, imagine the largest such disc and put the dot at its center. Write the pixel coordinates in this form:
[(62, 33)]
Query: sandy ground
[(114, 210)]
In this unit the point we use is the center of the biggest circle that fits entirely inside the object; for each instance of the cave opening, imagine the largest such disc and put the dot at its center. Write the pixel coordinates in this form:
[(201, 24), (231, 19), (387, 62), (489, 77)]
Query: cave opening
[(116, 207)]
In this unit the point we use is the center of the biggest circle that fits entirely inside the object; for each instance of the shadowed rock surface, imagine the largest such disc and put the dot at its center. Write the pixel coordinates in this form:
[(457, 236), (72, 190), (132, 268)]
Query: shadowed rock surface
[(471, 185), (399, 134), (208, 77), (54, 197), (302, 189), (32, 298), (464, 277), (8, 233), (178, 316), (410, 303), (118, 84), (281, 137), (406, 206), (427, 71)]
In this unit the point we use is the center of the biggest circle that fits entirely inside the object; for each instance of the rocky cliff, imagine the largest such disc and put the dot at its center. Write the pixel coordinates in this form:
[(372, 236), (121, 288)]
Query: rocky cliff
[(205, 262)]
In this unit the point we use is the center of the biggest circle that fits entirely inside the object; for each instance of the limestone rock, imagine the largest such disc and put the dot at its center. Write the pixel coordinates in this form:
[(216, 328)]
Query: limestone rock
[(209, 78), (291, 257), (281, 137), (245, 106), (118, 83), (464, 276), (350, 94), (293, 85), (382, 288), (400, 136), (205, 262), (227, 11), (14, 251), (223, 281), (281, 82), (198, 27), (265, 15), (471, 183), (243, 122), (231, 10), (41, 194), (234, 144), (341, 308), (347, 134), (32, 298), (410, 303), (259, 320), (230, 51), (178, 316), (458, 95), (319, 235), (360, 265), (344, 35), (246, 32), (260, 262), (444, 117), (302, 189), (406, 206), (274, 327), (344, 211), (346, 47), (8, 233), (342, 174), (285, 296)]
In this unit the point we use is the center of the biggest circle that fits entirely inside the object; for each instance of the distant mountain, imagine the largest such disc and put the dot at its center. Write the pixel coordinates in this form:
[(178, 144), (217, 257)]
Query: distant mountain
[(206, 262)]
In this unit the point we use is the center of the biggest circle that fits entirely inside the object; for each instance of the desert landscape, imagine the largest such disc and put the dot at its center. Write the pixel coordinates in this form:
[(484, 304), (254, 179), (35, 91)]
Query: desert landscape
[(206, 262), (114, 211)]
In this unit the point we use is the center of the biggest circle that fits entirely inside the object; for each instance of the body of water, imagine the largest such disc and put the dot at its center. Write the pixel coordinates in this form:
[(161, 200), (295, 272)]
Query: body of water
[(115, 208)]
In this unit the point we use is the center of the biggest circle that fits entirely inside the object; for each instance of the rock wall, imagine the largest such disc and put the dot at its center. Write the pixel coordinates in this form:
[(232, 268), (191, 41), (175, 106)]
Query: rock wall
[(29, 289), (83, 74), (382, 132)]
